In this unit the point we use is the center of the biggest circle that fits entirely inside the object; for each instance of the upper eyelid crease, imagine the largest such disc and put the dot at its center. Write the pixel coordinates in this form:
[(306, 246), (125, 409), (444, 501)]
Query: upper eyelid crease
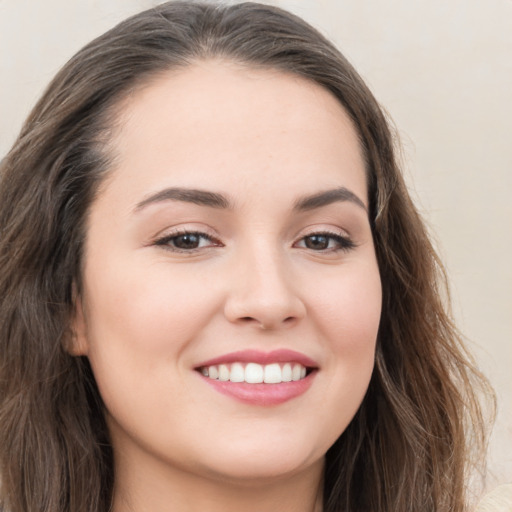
[(165, 240), (346, 242), (178, 233)]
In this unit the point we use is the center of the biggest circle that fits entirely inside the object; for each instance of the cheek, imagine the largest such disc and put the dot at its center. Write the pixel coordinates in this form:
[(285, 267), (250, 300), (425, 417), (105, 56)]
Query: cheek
[(347, 312), (140, 321), (348, 309), (139, 327), (148, 308)]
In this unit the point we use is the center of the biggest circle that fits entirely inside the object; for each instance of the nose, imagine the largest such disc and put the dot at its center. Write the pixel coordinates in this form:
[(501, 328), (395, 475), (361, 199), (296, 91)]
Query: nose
[(262, 293)]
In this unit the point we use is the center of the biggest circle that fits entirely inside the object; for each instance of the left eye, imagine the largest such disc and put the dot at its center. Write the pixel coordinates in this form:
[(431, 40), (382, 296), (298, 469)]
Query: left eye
[(186, 241), (325, 242)]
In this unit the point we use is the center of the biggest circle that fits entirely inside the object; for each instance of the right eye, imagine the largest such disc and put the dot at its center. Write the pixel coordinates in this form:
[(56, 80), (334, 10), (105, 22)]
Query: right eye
[(326, 242), (187, 241)]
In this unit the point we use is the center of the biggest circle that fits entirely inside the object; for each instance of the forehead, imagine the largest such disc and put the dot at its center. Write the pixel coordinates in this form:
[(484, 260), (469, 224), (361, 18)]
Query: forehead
[(213, 120)]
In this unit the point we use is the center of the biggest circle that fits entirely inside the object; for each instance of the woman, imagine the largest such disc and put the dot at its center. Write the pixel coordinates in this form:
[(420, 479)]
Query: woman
[(215, 291)]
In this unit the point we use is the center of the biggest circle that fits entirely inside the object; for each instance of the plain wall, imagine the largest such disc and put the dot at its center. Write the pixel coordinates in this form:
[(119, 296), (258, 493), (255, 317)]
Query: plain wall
[(443, 70)]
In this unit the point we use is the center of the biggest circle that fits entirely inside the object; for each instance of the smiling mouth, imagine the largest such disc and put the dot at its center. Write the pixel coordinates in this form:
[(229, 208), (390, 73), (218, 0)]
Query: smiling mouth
[(254, 373)]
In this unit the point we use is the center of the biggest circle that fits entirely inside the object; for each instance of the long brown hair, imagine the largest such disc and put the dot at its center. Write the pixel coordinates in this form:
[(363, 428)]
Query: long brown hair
[(411, 442)]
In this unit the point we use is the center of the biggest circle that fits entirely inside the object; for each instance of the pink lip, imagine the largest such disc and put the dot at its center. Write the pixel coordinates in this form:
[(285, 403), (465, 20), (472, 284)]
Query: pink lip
[(255, 356), (261, 394)]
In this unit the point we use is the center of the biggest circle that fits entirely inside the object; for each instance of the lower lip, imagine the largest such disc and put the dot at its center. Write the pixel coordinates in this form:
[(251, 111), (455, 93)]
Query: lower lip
[(262, 394)]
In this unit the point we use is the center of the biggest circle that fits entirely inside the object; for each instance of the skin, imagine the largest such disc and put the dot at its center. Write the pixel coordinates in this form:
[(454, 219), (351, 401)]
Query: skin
[(148, 314)]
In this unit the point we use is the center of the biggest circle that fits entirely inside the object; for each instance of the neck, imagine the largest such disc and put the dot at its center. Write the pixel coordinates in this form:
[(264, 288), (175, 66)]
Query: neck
[(160, 488)]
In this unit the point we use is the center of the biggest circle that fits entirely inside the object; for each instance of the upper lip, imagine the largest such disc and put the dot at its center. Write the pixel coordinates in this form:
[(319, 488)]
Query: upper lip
[(263, 358)]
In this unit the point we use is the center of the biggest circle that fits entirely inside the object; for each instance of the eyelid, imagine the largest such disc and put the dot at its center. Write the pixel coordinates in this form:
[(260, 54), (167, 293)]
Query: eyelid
[(162, 240), (345, 241)]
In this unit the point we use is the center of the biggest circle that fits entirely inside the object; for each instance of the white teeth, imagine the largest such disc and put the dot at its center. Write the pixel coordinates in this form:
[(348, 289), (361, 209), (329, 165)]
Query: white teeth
[(237, 373), (254, 373), (213, 372), (272, 374), (287, 373), (296, 371), (223, 372)]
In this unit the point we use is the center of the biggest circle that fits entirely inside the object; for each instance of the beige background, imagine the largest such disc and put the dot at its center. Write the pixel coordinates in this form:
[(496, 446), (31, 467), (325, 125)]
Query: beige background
[(442, 69)]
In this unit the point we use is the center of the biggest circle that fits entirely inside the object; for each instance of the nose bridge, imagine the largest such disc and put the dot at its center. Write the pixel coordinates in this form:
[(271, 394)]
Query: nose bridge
[(262, 290)]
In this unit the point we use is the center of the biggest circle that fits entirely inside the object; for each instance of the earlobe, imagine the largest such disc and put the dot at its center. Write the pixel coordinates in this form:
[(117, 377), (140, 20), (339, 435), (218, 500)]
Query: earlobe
[(76, 343)]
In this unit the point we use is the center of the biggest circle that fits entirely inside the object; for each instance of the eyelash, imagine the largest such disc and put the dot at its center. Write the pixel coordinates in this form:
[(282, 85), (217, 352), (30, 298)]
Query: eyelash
[(167, 240), (343, 242)]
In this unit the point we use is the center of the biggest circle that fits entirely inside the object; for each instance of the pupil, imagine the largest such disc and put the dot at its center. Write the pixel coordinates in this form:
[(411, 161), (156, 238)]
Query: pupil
[(317, 242), (189, 241)]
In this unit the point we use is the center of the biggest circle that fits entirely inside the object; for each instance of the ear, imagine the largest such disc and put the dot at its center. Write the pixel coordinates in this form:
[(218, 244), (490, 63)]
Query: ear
[(77, 342)]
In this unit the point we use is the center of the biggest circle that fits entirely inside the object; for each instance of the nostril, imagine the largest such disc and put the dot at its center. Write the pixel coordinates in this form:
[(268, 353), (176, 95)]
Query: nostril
[(267, 325)]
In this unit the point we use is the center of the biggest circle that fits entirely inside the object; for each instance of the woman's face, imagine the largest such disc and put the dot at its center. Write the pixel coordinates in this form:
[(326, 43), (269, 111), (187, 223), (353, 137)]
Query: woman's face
[(230, 244)]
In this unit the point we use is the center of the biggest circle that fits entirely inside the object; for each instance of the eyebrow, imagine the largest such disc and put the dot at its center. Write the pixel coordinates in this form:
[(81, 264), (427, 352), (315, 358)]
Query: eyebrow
[(217, 200), (187, 195), (326, 198)]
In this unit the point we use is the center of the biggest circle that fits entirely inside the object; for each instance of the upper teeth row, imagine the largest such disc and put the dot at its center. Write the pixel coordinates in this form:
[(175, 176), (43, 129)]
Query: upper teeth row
[(254, 373)]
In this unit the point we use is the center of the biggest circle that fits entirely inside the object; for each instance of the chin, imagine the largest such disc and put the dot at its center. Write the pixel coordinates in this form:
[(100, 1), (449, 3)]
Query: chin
[(246, 463), (259, 472)]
